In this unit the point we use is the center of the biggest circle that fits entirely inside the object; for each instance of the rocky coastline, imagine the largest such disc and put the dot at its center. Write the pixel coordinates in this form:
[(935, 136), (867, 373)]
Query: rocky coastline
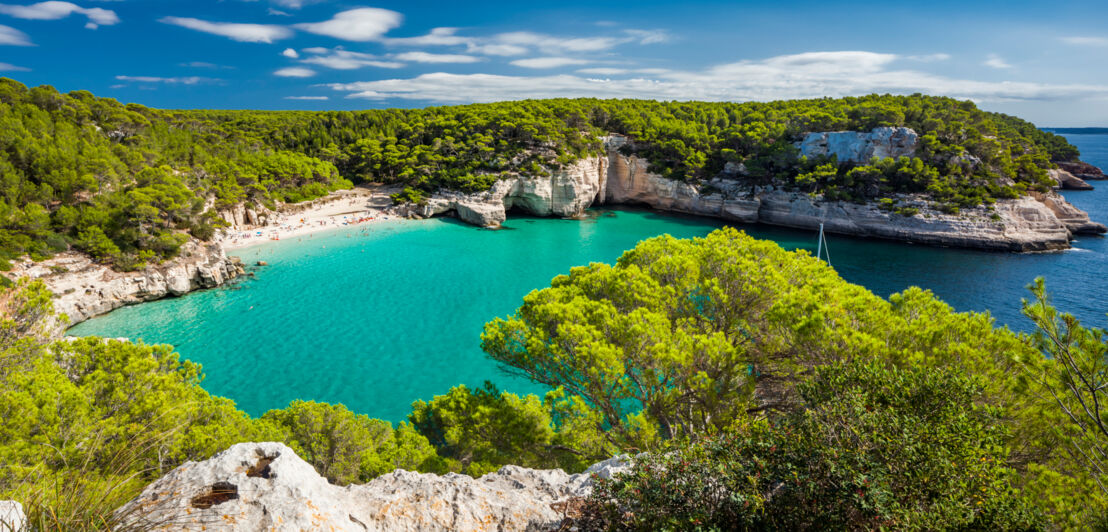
[(1038, 222), (83, 288)]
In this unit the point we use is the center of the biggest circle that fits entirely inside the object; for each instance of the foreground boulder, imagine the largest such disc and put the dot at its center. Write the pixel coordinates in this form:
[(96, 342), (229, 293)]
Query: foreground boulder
[(12, 518), (266, 486)]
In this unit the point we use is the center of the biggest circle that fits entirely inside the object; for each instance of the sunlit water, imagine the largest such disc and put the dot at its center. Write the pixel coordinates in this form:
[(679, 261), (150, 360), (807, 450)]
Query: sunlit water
[(378, 316)]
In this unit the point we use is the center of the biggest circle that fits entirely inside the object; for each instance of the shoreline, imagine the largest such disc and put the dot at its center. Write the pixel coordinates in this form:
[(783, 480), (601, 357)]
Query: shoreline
[(358, 206)]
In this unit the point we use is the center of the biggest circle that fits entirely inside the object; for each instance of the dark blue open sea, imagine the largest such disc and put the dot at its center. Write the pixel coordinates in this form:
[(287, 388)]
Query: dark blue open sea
[(379, 318)]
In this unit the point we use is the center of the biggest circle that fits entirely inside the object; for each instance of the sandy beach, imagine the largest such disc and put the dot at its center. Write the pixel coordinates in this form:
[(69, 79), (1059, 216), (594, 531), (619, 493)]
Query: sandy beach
[(344, 208)]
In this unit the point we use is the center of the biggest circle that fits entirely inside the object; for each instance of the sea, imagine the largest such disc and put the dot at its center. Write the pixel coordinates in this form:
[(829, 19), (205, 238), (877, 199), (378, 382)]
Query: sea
[(378, 316)]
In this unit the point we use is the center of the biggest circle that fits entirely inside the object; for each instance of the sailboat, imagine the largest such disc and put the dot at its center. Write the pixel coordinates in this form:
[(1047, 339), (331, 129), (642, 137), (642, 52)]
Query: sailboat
[(822, 248)]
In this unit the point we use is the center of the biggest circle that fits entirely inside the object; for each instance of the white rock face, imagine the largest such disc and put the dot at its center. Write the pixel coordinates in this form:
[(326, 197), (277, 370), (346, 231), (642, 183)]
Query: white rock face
[(567, 192), (1067, 181), (1031, 223), (85, 289), (12, 518), (856, 147), (265, 486)]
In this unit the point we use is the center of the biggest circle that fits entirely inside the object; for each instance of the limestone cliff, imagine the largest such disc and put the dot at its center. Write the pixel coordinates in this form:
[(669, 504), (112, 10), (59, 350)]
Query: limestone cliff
[(1032, 223), (1067, 181), (84, 289), (566, 192), (266, 486), (859, 147)]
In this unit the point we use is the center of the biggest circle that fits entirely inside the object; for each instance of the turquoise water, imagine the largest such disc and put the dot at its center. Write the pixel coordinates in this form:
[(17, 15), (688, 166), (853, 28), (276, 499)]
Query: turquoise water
[(377, 316)]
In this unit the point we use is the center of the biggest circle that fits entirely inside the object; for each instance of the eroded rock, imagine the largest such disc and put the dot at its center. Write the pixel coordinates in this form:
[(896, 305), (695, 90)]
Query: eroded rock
[(861, 147), (12, 518), (1068, 181), (84, 288), (266, 486)]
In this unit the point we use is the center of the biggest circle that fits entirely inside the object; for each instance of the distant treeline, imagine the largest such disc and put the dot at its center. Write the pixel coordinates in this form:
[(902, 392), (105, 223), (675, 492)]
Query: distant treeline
[(128, 184)]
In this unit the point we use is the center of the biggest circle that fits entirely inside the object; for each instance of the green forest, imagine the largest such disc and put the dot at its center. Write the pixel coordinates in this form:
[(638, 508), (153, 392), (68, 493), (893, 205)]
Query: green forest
[(129, 185), (766, 392)]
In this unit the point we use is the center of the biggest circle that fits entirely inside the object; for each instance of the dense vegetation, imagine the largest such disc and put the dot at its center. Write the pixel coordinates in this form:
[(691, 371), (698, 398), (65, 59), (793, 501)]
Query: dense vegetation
[(766, 391), (129, 185), (125, 183), (775, 395)]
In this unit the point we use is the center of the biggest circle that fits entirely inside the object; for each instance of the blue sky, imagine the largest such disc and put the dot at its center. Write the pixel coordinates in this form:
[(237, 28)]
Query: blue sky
[(1047, 62)]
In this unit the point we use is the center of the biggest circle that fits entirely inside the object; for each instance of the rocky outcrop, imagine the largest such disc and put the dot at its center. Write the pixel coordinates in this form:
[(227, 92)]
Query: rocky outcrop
[(83, 288), (1067, 181), (12, 518), (266, 486), (1032, 223), (858, 147), (1082, 170), (1036, 223), (566, 192)]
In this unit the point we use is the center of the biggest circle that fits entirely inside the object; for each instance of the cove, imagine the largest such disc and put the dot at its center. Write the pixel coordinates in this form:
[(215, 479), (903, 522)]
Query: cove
[(378, 316)]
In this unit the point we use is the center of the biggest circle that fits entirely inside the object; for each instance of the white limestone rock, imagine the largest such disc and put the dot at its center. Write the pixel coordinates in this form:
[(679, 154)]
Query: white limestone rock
[(1067, 181), (84, 288), (857, 147), (265, 486), (12, 518), (566, 192)]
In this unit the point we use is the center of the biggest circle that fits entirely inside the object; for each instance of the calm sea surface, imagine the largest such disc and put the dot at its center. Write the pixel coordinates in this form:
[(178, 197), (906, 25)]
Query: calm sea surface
[(378, 316)]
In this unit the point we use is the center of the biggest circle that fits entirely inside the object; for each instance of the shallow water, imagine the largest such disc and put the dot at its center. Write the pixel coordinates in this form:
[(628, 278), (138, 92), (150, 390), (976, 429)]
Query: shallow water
[(378, 316)]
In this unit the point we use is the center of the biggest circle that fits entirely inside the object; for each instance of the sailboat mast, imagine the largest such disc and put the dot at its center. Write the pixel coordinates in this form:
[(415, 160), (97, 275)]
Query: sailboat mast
[(819, 246)]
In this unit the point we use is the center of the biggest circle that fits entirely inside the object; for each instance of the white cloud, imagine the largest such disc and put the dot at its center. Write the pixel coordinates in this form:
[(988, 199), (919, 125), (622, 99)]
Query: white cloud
[(648, 36), (497, 49), (55, 10), (1086, 41), (190, 80), (548, 62), (424, 57), (551, 44), (604, 71), (995, 61), (340, 59), (295, 72), (319, 98), (929, 58), (8, 67), (205, 64), (520, 42), (277, 12), (808, 75), (263, 33), (437, 37), (13, 37), (555, 45), (295, 4), (362, 24), (290, 53), (609, 71)]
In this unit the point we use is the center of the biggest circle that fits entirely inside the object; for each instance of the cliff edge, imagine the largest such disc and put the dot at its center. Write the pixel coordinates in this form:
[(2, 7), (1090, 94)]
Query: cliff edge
[(266, 486), (84, 288), (1037, 222)]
